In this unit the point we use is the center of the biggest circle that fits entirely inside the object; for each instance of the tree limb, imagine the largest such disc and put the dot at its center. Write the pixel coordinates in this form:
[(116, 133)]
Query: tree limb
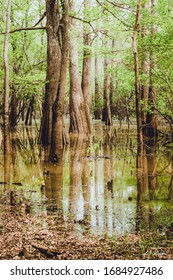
[(24, 28), (43, 16), (106, 9)]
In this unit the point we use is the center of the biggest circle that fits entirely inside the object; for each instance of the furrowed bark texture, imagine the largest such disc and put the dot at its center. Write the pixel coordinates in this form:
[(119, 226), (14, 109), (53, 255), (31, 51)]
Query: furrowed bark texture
[(59, 135), (78, 109), (53, 66)]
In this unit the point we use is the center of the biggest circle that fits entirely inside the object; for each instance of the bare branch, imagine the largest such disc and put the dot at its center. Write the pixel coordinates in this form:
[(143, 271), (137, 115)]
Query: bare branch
[(121, 6), (24, 28), (106, 9), (85, 21), (42, 17)]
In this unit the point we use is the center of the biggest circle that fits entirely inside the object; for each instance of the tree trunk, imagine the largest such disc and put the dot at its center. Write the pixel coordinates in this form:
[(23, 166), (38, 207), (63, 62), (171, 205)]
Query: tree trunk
[(14, 100), (53, 67), (137, 88), (59, 136), (14, 106), (152, 113), (79, 122), (97, 109), (145, 65), (86, 71), (29, 113), (106, 114), (6, 84), (112, 83)]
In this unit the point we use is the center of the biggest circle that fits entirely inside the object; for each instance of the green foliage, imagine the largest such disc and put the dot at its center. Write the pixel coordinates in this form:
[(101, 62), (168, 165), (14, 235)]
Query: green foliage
[(27, 51), (107, 21)]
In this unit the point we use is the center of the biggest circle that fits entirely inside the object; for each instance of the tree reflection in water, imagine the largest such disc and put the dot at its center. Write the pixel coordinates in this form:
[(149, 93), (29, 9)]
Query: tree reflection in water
[(93, 188), (149, 187)]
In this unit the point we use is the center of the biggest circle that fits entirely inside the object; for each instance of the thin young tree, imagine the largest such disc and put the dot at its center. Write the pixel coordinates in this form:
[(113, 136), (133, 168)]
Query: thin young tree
[(137, 86), (106, 114), (145, 63), (97, 98), (152, 97), (86, 71), (6, 125)]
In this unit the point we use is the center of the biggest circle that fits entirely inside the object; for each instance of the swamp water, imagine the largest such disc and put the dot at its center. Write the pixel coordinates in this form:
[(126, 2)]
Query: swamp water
[(95, 188)]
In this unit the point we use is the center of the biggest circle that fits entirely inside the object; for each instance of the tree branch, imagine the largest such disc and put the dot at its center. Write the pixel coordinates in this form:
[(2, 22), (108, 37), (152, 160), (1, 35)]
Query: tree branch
[(106, 9), (42, 17), (85, 21), (24, 28), (121, 6)]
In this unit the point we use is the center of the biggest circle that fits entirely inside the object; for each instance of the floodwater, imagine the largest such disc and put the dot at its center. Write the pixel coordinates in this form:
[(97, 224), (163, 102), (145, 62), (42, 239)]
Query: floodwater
[(95, 186)]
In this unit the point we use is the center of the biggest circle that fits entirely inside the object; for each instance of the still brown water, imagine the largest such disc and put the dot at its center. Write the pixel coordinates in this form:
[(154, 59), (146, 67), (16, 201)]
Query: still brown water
[(95, 186)]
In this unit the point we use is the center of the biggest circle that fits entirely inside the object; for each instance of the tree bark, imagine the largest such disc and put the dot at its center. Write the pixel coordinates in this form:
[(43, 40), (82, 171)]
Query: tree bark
[(145, 65), (79, 122), (137, 88), (97, 109), (6, 125), (30, 110), (14, 108), (52, 127), (112, 83), (59, 135), (53, 67), (152, 99), (86, 71), (106, 114), (14, 100)]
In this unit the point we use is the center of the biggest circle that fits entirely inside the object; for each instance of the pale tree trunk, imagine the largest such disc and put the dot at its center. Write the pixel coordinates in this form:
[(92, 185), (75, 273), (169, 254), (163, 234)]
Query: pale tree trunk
[(53, 66), (145, 65), (152, 99), (86, 71), (59, 135), (97, 110), (137, 91), (79, 122), (14, 100), (41, 24), (106, 114), (6, 84), (112, 82)]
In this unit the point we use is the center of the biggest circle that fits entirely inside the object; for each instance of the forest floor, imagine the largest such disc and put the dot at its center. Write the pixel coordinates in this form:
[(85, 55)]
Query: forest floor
[(23, 236)]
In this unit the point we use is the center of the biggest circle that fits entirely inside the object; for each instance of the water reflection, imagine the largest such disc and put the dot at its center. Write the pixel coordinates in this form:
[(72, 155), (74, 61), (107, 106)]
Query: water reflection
[(153, 187), (93, 188), (53, 187)]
